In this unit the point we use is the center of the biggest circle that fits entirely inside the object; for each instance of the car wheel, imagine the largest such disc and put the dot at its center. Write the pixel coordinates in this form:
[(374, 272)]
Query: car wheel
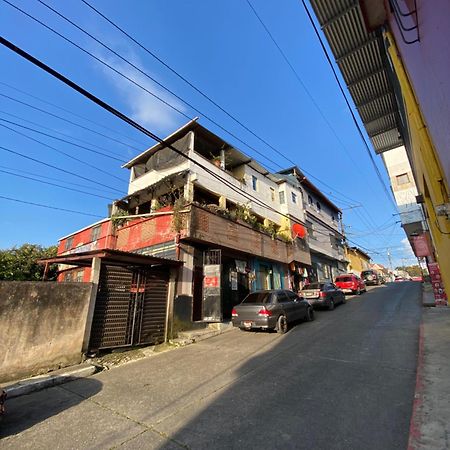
[(282, 325), (331, 305), (310, 314)]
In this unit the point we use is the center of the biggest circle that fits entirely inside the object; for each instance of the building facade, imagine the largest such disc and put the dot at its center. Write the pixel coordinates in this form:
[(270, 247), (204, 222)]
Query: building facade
[(357, 260), (394, 60)]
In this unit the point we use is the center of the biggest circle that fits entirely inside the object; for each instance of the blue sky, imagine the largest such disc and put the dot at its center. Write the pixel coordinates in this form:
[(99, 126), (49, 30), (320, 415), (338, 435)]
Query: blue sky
[(222, 48)]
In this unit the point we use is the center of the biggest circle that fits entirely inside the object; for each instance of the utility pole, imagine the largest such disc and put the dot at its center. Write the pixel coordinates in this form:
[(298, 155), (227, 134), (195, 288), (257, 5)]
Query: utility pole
[(389, 258)]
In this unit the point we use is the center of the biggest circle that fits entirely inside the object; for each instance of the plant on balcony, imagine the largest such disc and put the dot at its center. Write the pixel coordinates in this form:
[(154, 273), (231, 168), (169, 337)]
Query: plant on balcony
[(178, 222), (118, 219), (270, 229)]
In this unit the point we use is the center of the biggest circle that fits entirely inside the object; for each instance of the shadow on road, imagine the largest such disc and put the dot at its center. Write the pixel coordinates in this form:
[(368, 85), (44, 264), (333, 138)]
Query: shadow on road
[(344, 381), (28, 410)]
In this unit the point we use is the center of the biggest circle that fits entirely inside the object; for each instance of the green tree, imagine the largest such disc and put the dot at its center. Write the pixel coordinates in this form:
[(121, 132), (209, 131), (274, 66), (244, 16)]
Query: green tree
[(413, 271), (21, 263)]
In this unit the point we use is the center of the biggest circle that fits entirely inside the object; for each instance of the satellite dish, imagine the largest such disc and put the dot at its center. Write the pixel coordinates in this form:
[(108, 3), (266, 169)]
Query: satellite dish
[(299, 230)]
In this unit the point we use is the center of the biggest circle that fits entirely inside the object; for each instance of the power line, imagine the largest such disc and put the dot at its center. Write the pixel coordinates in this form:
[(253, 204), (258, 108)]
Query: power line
[(53, 179), (299, 79), (64, 119), (71, 112), (48, 206), (63, 140), (55, 167), (134, 124), (162, 86), (54, 184), (380, 178), (55, 131), (62, 153)]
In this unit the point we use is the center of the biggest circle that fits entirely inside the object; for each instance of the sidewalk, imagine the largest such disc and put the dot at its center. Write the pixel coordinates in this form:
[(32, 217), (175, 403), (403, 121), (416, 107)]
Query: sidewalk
[(430, 423)]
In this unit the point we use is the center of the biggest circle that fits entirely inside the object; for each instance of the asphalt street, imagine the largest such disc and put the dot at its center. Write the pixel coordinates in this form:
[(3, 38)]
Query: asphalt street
[(344, 381)]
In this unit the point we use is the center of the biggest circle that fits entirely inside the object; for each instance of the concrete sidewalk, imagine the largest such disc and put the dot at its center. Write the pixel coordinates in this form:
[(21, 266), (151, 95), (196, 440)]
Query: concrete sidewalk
[(430, 427)]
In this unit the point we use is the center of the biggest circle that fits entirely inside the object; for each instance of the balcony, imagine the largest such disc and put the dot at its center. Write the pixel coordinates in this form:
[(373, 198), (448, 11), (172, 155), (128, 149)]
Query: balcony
[(206, 227)]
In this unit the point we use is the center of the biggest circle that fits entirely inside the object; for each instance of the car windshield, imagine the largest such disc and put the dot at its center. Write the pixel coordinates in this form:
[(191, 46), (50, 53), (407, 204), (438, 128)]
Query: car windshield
[(258, 297), (313, 286), (343, 279)]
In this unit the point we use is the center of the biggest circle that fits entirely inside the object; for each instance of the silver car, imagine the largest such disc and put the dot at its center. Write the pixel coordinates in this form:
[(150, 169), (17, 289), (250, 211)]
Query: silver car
[(323, 295), (271, 310)]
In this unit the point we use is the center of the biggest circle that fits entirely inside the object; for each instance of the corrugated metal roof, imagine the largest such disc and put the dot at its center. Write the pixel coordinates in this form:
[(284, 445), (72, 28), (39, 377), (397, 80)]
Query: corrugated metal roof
[(360, 57)]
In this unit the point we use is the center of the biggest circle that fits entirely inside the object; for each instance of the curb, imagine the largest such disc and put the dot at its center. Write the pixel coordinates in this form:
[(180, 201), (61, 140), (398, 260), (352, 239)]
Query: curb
[(38, 383)]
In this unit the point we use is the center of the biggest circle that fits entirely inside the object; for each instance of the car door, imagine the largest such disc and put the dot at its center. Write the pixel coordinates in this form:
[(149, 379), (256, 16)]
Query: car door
[(287, 305), (337, 293), (299, 306)]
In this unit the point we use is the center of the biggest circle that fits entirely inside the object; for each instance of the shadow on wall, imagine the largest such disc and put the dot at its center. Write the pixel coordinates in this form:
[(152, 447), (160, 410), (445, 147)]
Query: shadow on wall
[(29, 410)]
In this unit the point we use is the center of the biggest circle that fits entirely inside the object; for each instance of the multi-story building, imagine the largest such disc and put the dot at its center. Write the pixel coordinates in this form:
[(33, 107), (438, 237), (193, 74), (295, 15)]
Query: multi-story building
[(357, 260), (221, 213), (323, 222), (394, 59)]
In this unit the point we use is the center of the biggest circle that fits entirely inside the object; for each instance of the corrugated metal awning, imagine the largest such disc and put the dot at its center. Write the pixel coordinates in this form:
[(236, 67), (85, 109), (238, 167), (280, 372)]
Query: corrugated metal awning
[(360, 56)]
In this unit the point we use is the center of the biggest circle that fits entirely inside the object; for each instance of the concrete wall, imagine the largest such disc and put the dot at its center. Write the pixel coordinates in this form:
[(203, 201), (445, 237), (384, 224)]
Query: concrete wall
[(42, 325)]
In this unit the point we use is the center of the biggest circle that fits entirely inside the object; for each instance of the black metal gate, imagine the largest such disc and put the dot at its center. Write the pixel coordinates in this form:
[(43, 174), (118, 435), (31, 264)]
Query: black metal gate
[(130, 308)]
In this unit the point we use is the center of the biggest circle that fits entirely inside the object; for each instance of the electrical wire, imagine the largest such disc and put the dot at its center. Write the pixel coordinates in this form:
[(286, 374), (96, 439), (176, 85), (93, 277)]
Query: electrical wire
[(56, 167), (54, 184), (65, 120), (361, 134), (14, 169), (55, 131), (48, 206), (134, 124), (14, 88), (68, 155), (63, 140), (162, 86)]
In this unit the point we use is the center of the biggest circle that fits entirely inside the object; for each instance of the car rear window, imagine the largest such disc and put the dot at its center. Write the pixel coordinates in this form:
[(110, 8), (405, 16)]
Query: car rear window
[(313, 286), (258, 297), (344, 279), (366, 272)]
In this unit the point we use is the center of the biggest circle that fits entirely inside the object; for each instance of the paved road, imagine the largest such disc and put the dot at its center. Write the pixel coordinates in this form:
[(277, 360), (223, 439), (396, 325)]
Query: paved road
[(345, 381)]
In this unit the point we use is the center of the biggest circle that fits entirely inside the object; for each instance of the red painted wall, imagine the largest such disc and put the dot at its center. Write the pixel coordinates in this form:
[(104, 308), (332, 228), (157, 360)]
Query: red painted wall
[(428, 65)]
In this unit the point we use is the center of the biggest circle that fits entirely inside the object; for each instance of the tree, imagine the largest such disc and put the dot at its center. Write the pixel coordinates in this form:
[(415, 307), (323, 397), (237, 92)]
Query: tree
[(413, 271), (21, 263)]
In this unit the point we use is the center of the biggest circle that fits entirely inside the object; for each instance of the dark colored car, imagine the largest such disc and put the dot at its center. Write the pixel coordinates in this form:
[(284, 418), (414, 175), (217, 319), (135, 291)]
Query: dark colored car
[(323, 294), (371, 277), (271, 310), (350, 284)]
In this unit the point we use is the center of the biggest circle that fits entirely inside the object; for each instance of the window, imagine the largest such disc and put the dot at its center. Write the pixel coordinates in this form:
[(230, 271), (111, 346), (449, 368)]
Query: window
[(272, 194), (402, 179), (292, 296), (95, 233), (319, 207), (294, 197), (254, 183), (69, 243), (282, 297), (282, 197), (333, 218), (258, 297), (310, 200), (309, 227)]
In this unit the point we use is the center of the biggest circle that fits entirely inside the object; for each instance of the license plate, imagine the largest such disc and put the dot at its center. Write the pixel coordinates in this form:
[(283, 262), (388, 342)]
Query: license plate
[(248, 324)]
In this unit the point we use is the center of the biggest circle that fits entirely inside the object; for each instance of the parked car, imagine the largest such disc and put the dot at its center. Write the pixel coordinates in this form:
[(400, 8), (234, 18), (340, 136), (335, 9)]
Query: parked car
[(271, 310), (418, 278), (350, 284), (371, 277), (323, 294)]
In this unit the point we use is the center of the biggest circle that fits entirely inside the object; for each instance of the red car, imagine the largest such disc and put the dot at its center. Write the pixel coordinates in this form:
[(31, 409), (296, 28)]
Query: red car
[(350, 284)]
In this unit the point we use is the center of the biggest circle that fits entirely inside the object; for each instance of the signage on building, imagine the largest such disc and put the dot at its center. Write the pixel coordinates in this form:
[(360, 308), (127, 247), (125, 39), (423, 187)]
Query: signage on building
[(421, 245), (440, 296), (212, 301)]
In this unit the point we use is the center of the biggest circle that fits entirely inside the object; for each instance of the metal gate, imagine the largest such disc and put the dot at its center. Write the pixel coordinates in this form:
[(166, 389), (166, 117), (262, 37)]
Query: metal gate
[(130, 307)]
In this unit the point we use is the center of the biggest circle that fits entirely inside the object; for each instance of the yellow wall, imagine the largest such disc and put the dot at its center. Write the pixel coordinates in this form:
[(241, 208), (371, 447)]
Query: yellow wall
[(427, 168), (356, 262)]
